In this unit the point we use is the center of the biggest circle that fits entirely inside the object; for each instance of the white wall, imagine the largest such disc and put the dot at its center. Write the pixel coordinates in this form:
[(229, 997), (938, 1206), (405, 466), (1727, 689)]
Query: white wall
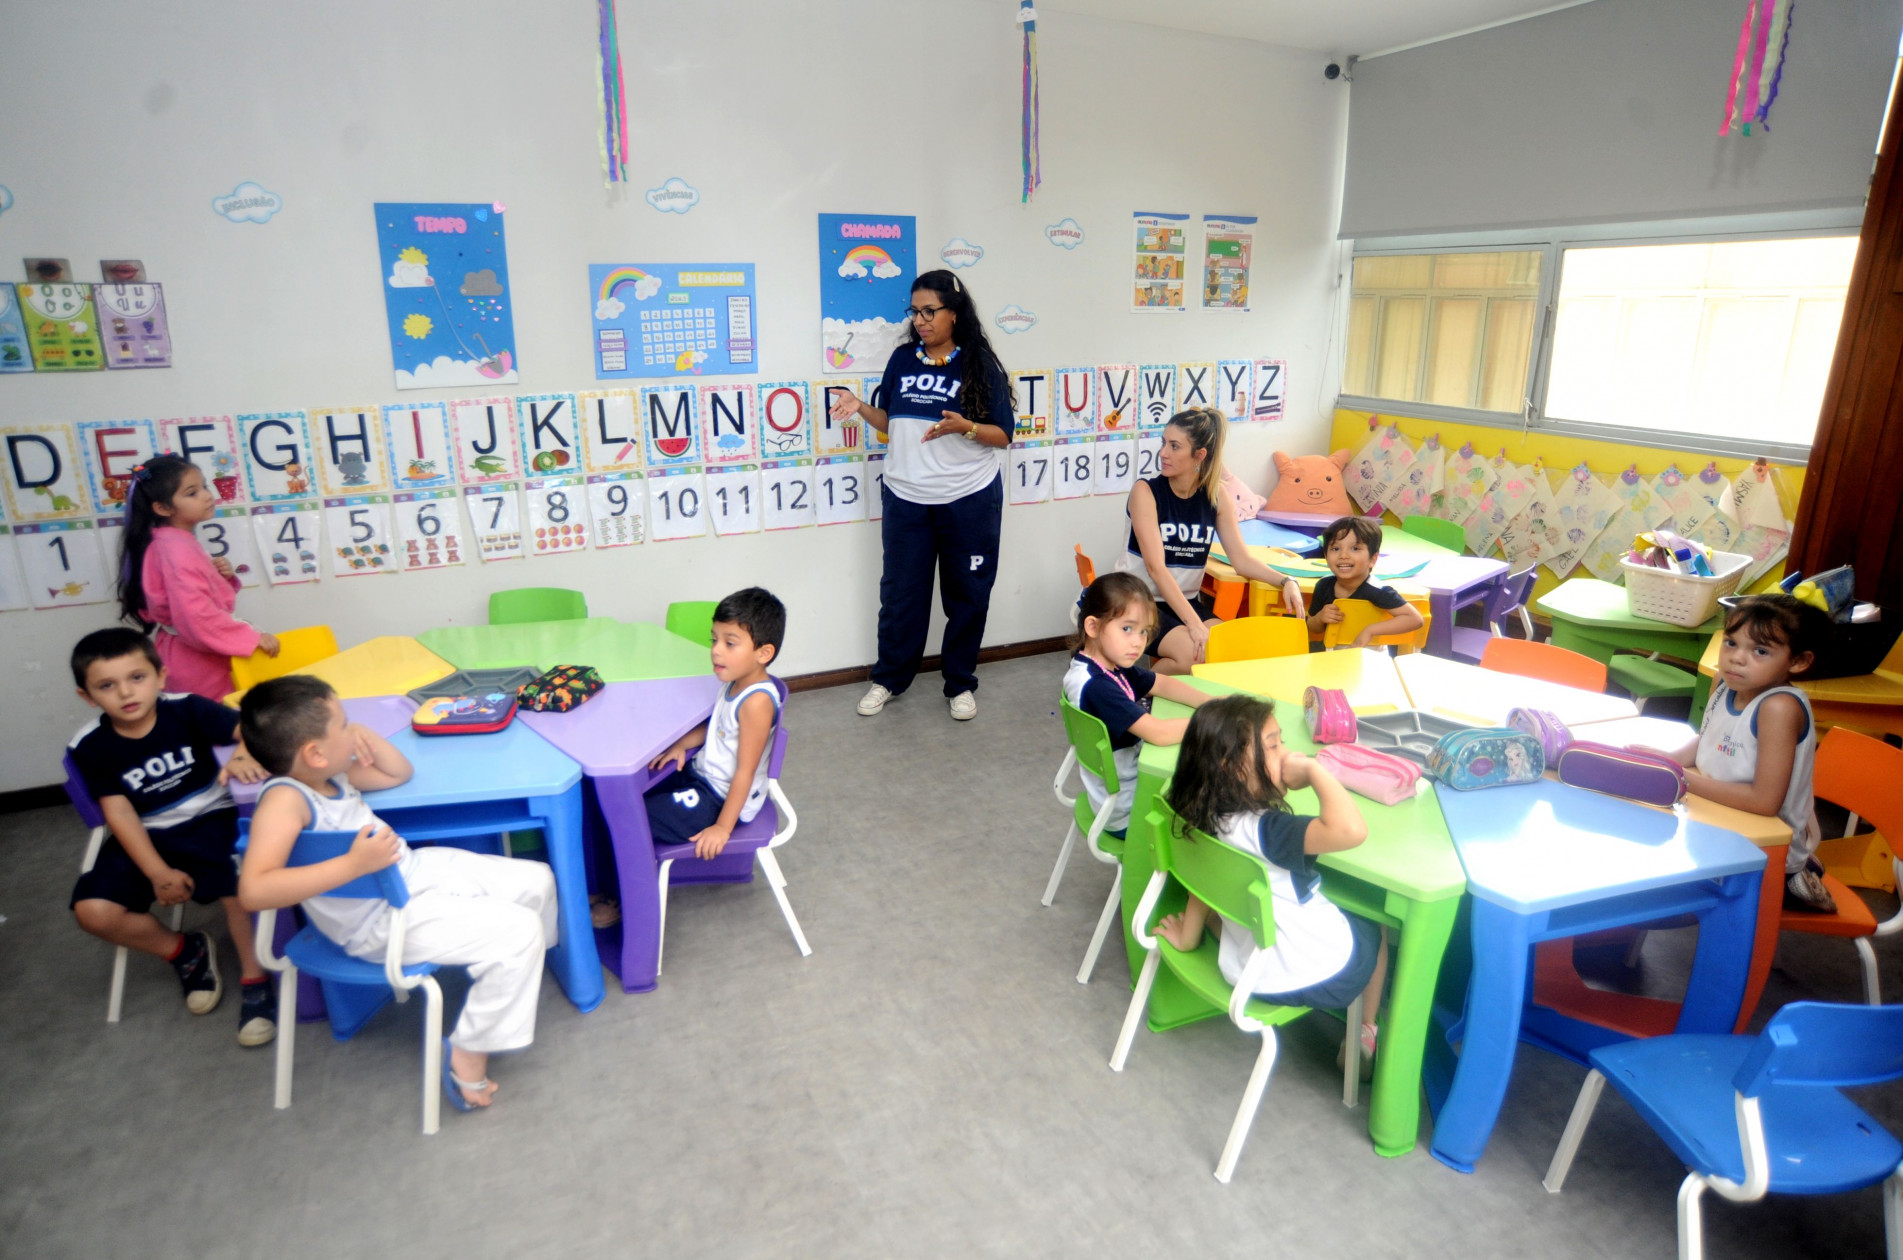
[(129, 118)]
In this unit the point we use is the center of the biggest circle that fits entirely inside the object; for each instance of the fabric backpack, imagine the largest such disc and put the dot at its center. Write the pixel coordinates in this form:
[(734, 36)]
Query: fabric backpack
[(1543, 726), (1637, 776), (1488, 757), (1374, 774), (1330, 719)]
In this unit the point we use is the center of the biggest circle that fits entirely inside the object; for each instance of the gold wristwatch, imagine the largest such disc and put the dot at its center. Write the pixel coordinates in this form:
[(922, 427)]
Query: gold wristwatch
[(971, 434)]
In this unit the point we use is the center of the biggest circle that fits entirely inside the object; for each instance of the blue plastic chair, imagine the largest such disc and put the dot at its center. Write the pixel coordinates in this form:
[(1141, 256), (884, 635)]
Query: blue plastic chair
[(312, 951), (1750, 1115)]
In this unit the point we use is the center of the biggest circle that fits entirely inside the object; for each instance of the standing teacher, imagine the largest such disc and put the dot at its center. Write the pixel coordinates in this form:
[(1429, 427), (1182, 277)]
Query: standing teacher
[(948, 418)]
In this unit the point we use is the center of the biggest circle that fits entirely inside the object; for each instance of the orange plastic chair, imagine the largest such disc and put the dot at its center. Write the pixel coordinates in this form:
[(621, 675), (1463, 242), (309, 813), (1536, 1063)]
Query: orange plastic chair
[(1226, 593), (1358, 615), (1543, 660), (1863, 775), (1253, 638), (306, 645), (1086, 571)]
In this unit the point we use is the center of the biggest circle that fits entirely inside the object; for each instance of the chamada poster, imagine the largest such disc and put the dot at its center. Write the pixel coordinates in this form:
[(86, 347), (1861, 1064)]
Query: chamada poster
[(446, 290), (866, 266)]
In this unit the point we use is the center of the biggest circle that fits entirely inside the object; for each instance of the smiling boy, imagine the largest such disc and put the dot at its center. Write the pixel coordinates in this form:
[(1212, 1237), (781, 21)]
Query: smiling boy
[(1349, 547)]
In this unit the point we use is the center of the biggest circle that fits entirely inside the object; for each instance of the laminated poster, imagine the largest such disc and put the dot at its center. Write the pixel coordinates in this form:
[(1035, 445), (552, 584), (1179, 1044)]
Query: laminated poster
[(670, 426), (786, 494), (112, 449), (611, 431), (416, 436), (1113, 465), (730, 429), (1156, 395), (211, 442), (495, 518), (1513, 489), (1468, 475), (483, 431), (360, 535), (677, 504), (1234, 388), (867, 263), (1417, 489), (786, 410), (1116, 398), (550, 428), (1161, 248), (446, 293), (275, 448), (1074, 402), (429, 528), (1028, 479), (673, 319), (62, 327), (618, 504), (839, 490), (347, 449), (1640, 510), (16, 354), (733, 498), (1195, 385), (831, 436), (1271, 390), (13, 590), (1033, 389), (41, 472), (558, 515), (64, 563), (132, 325), (1228, 243), (228, 536), (287, 537), (1071, 463)]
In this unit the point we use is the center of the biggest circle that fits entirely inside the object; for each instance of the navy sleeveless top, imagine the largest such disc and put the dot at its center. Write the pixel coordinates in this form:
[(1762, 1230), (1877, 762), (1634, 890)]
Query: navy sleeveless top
[(1188, 530)]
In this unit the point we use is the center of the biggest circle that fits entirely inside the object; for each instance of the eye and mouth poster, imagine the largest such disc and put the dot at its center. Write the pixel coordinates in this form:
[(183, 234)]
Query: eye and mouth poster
[(446, 291)]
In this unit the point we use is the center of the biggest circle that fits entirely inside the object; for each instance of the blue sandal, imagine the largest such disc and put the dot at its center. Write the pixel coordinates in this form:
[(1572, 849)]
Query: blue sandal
[(454, 1086)]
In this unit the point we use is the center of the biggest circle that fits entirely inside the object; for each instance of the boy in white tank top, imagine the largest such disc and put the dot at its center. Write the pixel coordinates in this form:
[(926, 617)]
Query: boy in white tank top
[(494, 915)]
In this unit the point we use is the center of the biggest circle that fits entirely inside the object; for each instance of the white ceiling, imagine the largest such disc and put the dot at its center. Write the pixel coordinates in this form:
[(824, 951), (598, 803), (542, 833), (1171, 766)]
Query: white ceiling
[(1329, 26)]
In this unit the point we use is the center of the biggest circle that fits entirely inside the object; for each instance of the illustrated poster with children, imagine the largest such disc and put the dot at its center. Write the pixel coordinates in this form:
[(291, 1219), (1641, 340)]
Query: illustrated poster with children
[(1162, 248), (445, 276), (867, 263), (1228, 245)]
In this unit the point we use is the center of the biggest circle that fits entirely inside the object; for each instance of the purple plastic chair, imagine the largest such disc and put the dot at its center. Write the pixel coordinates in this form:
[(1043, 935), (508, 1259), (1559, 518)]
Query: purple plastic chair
[(1508, 598), (90, 815), (760, 837)]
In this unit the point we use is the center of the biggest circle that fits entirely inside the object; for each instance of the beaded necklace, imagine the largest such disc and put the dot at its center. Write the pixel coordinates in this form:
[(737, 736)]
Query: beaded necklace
[(928, 360)]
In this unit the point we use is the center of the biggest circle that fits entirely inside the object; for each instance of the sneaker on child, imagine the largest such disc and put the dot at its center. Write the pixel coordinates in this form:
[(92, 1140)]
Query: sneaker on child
[(258, 1015), (197, 968)]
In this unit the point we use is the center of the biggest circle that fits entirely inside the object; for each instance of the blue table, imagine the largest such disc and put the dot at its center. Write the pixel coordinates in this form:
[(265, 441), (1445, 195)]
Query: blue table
[(1260, 533), (1544, 861)]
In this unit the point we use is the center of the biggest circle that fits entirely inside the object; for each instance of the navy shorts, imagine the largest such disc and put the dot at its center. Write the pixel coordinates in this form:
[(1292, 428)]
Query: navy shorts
[(1342, 988), (204, 849), (1167, 620), (680, 806)]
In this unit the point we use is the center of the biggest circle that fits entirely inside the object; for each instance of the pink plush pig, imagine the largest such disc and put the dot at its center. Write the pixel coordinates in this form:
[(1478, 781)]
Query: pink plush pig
[(1311, 483)]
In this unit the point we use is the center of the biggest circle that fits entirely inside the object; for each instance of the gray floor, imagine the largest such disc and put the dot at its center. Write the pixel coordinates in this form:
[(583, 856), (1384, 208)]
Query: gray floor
[(931, 1082)]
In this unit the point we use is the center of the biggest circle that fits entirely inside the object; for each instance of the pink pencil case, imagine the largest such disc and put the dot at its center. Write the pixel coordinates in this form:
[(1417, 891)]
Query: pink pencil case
[(1543, 726), (1330, 719), (1637, 776), (1375, 775)]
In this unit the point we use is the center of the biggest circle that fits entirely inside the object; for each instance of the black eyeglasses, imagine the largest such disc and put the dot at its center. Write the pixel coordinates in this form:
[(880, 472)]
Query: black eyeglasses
[(927, 313)]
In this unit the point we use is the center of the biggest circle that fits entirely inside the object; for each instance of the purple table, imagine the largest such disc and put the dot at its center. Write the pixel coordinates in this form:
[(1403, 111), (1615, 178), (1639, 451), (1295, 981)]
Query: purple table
[(1452, 583), (614, 736)]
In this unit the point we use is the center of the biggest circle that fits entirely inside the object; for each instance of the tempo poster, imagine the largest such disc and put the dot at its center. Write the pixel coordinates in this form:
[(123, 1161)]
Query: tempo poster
[(673, 319), (445, 273), (1161, 247), (866, 266), (1228, 246)]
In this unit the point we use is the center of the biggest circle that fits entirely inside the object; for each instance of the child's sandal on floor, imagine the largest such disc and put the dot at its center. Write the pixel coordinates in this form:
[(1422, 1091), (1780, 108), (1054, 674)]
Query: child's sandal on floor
[(454, 1085)]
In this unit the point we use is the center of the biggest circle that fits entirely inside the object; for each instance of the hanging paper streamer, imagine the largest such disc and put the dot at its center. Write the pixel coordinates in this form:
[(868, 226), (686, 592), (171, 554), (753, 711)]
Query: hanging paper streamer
[(1033, 176), (612, 96), (1757, 69)]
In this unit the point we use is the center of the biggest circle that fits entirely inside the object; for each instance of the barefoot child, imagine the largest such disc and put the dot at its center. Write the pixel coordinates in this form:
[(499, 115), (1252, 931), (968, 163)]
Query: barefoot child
[(1758, 742), (147, 760), (494, 915), (1115, 619), (1230, 783), (167, 582), (1349, 546)]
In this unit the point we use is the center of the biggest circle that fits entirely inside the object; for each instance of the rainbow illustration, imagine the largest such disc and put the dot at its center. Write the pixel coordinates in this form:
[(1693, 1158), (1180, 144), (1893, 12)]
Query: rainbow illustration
[(870, 255), (625, 275)]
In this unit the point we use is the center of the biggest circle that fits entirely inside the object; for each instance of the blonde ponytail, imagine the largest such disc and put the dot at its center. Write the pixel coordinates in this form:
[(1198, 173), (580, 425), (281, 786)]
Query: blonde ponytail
[(1205, 428)]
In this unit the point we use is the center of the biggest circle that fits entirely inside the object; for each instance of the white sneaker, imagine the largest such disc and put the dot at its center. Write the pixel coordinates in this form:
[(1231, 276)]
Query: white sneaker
[(964, 706), (873, 701)]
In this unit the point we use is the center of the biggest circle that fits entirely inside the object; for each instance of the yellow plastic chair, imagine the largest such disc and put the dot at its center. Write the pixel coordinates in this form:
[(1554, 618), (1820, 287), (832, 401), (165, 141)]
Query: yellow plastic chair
[(1359, 614), (297, 648), (1253, 638)]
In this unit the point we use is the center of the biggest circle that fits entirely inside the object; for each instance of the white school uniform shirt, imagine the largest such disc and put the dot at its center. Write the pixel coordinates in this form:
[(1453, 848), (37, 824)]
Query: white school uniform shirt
[(718, 760), (1728, 752), (1313, 941), (352, 922), (916, 394)]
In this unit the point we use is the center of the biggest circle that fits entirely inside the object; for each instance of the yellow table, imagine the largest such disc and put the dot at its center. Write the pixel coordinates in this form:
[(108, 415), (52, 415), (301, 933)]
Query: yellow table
[(385, 666), (1368, 676), (1485, 696)]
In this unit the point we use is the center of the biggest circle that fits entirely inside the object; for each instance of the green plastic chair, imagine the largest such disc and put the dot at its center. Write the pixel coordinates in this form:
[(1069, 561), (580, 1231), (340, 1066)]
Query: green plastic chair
[(693, 620), (536, 603), (1434, 530), (1234, 885), (1090, 750), (1648, 678)]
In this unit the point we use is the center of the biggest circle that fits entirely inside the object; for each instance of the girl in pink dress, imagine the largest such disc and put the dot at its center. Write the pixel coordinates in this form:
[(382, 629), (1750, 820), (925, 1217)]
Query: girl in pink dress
[(168, 584)]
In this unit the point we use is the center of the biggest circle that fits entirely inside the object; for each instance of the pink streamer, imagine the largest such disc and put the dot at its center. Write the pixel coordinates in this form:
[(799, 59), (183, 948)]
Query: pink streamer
[(1737, 70)]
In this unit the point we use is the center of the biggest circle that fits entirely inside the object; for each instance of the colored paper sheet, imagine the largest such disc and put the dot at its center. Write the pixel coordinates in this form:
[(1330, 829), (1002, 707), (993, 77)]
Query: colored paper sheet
[(1467, 476), (673, 319), (1513, 487), (62, 327), (1228, 246), (132, 325), (446, 293), (867, 263), (1161, 249), (16, 354)]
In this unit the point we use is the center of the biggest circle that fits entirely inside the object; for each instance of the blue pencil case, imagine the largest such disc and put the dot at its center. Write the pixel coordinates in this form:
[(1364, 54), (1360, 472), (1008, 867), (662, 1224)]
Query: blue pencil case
[(1488, 757)]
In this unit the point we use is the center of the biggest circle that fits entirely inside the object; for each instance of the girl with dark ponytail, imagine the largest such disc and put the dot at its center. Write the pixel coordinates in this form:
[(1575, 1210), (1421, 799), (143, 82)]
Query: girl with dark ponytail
[(170, 587), (948, 414)]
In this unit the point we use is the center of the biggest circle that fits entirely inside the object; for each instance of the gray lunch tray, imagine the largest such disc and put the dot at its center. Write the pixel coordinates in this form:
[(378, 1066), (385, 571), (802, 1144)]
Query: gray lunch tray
[(1409, 733), (466, 682)]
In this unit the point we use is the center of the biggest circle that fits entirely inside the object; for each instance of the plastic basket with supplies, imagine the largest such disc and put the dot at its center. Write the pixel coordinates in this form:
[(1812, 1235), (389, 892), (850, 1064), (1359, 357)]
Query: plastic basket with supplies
[(1681, 599)]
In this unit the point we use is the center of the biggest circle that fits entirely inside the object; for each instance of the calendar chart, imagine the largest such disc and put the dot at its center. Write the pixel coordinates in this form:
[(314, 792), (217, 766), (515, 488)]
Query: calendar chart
[(673, 319)]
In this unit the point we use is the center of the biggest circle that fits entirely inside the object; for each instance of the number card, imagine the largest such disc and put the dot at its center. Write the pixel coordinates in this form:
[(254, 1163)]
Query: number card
[(1030, 476), (112, 534), (1271, 389), (677, 504), (211, 442), (1071, 464), (1033, 390), (495, 514), (618, 505), (670, 430), (63, 562), (1149, 455), (1233, 388), (417, 437), (786, 494), (360, 534), (132, 322), (42, 472), (610, 431), (275, 449), (13, 588), (429, 529), (550, 433), (836, 437), (347, 445), (1114, 467), (1156, 394), (1196, 385), (729, 432), (112, 449), (733, 497), (483, 430), (228, 536), (875, 487), (1116, 397), (287, 539), (839, 490), (1075, 396), (557, 519), (786, 430)]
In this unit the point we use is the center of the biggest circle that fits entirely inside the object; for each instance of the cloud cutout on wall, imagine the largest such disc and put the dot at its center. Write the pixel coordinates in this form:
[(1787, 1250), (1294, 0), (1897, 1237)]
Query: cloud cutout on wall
[(6, 199), (676, 196), (1065, 235), (609, 308), (481, 283), (248, 203), (405, 274), (959, 252), (1015, 319)]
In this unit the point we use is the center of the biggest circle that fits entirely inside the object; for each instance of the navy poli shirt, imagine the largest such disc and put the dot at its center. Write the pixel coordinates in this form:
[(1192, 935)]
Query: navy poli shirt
[(916, 395), (169, 775)]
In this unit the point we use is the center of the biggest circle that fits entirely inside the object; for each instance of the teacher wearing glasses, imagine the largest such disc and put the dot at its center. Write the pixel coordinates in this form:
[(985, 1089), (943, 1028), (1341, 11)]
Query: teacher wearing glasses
[(948, 418)]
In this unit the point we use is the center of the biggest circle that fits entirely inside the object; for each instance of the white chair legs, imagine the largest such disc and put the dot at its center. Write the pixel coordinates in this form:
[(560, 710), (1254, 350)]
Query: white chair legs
[(432, 1055), (1351, 1057), (1691, 1221), (775, 880), (1576, 1124), (115, 997), (1133, 1015), (1112, 904), (1893, 1215), (287, 1034), (660, 946), (1872, 987), (1070, 837), (1245, 1113)]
